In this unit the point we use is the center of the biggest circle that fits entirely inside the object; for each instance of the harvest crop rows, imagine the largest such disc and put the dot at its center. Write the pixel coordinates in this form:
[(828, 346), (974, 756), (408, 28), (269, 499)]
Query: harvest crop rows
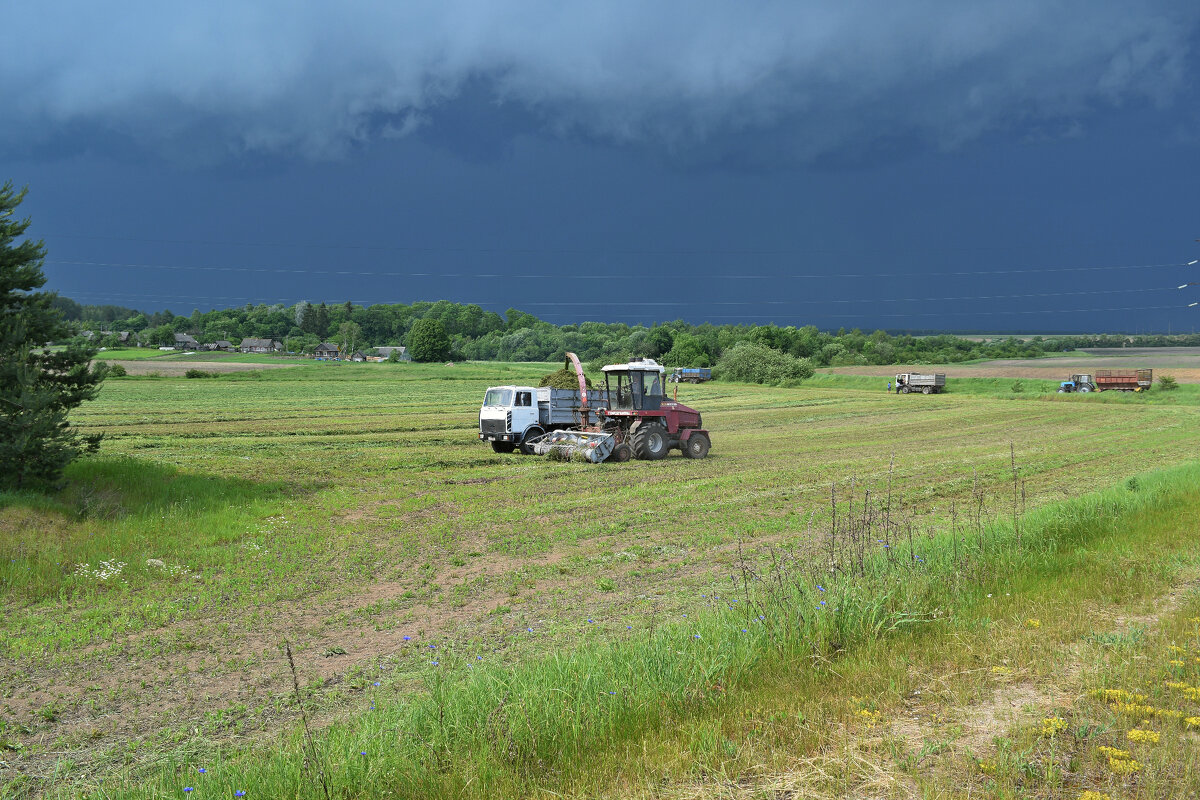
[(344, 508)]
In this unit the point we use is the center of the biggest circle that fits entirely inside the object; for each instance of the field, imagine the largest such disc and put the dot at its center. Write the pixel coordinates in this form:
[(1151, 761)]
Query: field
[(1182, 363), (350, 512)]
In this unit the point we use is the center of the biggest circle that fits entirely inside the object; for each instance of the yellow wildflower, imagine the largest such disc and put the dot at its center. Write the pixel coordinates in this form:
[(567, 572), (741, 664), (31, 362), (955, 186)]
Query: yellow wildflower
[(1118, 695), (1033, 623), (869, 716), (1052, 726), (1088, 794), (1174, 648), (1000, 670), (987, 767), (1176, 685), (1175, 662), (1112, 752), (1139, 735), (1124, 767), (1192, 722)]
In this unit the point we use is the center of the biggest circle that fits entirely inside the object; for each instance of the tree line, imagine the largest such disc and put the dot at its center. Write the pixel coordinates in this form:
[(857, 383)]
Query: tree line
[(467, 331)]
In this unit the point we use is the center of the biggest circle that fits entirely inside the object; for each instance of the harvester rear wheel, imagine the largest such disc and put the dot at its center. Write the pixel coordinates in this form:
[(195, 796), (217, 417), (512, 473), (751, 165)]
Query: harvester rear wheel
[(503, 447), (696, 446), (650, 441)]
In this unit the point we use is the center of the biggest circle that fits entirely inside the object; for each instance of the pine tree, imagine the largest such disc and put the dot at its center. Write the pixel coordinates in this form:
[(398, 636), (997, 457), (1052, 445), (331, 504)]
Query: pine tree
[(38, 387)]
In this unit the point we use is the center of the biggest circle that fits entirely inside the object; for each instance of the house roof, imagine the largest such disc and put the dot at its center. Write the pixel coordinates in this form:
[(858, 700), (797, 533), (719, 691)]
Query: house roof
[(327, 346), (185, 338), (387, 351), (258, 342)]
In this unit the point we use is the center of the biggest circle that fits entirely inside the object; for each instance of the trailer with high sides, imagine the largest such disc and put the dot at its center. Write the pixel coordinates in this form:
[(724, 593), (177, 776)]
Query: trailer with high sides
[(925, 383), (1124, 380)]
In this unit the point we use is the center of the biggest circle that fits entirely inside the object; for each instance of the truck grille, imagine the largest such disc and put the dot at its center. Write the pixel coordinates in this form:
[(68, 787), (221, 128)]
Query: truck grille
[(493, 426)]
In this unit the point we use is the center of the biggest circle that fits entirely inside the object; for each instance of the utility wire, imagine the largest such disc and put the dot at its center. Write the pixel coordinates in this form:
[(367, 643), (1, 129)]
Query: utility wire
[(592, 276)]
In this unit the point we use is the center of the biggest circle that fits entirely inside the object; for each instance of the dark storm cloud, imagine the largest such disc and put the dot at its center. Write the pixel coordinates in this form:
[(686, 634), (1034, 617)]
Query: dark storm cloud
[(215, 79)]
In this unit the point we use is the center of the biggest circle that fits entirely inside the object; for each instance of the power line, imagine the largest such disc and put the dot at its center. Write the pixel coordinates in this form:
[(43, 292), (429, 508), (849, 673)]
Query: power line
[(588, 251), (592, 277)]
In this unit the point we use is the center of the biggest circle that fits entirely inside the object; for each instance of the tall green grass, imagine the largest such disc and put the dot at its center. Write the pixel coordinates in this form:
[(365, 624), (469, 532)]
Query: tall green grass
[(484, 730)]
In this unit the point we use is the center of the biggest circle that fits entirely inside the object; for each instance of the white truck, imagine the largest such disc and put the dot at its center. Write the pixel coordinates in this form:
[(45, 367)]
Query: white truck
[(514, 416), (925, 383)]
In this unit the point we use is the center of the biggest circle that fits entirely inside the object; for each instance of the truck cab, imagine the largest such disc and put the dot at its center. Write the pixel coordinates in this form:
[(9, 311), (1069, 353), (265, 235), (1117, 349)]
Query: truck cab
[(509, 416)]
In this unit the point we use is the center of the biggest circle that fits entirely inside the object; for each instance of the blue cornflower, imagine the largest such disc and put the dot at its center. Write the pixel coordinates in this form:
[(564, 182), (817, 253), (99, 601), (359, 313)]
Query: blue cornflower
[(363, 753), (375, 684), (703, 596), (612, 692), (202, 770), (407, 638), (239, 793), (433, 647), (529, 629), (434, 663), (685, 615), (628, 627), (479, 658), (820, 588), (697, 636), (187, 788), (745, 631), (589, 620), (822, 602)]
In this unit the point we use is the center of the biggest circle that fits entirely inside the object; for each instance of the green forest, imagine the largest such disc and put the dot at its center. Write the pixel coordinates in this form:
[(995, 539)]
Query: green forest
[(472, 333)]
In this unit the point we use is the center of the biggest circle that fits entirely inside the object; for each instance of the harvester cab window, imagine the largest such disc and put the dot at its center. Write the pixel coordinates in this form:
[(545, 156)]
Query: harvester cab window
[(524, 399)]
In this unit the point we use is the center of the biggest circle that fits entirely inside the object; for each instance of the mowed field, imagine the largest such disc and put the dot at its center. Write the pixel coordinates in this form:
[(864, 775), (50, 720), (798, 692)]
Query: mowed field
[(350, 511), (1181, 363)]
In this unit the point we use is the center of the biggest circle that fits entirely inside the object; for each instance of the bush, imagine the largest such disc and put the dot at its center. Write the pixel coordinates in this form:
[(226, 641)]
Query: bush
[(199, 373), (1018, 387), (755, 363), (1167, 383), (116, 371)]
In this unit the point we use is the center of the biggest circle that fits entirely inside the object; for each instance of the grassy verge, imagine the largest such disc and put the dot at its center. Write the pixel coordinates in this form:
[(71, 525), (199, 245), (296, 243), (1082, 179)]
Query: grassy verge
[(599, 717)]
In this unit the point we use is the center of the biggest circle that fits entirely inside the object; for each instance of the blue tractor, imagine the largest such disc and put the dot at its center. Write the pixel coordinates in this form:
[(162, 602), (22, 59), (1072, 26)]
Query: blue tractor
[(1077, 383)]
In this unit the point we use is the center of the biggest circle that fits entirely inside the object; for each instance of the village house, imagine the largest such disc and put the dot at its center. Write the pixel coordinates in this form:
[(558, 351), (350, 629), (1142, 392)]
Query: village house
[(358, 355), (386, 352), (260, 346), (221, 344), (326, 350), (185, 341)]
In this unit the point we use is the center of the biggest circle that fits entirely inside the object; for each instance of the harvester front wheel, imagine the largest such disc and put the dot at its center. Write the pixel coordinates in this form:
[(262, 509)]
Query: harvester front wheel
[(621, 453), (696, 446), (650, 441), (503, 447)]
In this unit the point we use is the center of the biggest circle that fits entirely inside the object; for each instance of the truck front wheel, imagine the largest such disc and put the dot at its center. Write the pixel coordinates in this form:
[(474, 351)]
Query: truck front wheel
[(503, 447), (527, 440)]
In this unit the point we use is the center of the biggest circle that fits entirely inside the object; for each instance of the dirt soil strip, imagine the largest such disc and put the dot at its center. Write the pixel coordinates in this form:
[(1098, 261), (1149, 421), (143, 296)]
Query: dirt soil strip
[(174, 369)]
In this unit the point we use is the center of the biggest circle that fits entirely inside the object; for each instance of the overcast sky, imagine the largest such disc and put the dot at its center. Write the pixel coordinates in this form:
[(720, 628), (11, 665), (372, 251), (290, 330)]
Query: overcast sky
[(1010, 165)]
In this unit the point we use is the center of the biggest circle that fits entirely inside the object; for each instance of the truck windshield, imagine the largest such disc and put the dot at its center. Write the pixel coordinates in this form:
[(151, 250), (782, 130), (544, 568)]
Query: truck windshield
[(498, 397)]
